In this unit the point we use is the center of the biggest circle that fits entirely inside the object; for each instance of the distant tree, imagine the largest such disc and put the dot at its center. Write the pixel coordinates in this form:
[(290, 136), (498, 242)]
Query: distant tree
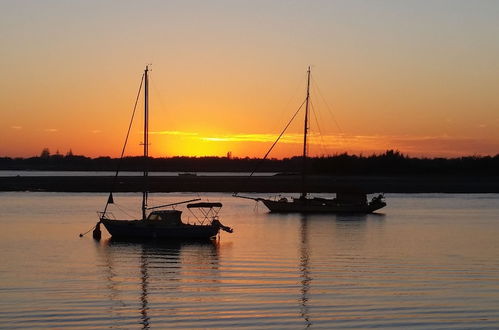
[(45, 153), (69, 153), (57, 155), (392, 154)]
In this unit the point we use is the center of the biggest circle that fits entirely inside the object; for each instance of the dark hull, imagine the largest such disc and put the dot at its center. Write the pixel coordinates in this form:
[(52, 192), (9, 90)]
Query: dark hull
[(320, 206), (143, 229)]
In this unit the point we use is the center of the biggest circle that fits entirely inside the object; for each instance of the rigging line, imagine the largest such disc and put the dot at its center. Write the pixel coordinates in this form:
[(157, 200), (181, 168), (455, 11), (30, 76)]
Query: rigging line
[(81, 235), (323, 144), (129, 209), (122, 209), (126, 140), (275, 142), (279, 137), (131, 120), (316, 86), (193, 214)]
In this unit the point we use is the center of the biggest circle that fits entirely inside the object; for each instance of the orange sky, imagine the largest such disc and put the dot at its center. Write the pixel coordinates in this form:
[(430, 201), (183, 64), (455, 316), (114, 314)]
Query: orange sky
[(420, 77)]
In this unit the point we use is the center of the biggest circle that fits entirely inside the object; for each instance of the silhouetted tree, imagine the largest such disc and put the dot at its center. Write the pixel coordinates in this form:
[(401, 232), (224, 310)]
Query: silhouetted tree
[(45, 153), (392, 162)]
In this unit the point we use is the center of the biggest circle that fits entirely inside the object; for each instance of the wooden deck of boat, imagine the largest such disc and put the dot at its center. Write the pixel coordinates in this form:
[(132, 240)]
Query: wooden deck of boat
[(270, 184)]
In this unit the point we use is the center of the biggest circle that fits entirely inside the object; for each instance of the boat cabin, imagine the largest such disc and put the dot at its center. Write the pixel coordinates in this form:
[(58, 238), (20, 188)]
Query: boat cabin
[(351, 197), (170, 216)]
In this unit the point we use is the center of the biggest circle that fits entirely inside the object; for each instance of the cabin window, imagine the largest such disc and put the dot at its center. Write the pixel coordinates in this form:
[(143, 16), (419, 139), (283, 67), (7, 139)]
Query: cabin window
[(154, 217)]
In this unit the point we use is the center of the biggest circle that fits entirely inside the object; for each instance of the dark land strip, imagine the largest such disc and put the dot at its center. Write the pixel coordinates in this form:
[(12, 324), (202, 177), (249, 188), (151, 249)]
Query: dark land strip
[(270, 184)]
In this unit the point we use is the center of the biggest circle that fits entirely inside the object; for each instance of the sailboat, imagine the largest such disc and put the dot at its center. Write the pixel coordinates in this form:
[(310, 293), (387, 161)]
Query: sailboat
[(353, 201), (158, 222)]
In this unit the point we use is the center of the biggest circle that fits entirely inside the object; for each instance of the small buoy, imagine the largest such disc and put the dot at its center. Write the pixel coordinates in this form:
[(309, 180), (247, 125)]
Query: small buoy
[(97, 233)]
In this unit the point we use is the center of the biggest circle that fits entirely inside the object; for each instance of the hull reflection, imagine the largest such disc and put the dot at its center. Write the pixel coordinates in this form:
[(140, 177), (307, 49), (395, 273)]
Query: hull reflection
[(163, 268)]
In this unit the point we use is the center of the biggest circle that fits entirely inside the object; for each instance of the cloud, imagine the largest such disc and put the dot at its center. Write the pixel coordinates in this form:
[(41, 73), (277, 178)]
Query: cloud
[(177, 133), (435, 145), (51, 130), (96, 131), (290, 138), (16, 127)]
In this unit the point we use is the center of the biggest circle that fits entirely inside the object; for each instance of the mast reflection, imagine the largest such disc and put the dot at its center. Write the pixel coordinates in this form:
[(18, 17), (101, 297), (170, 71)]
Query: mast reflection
[(306, 279), (161, 270), (144, 286)]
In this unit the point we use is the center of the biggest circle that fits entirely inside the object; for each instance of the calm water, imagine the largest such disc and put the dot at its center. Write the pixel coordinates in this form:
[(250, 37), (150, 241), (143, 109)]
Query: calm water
[(428, 262)]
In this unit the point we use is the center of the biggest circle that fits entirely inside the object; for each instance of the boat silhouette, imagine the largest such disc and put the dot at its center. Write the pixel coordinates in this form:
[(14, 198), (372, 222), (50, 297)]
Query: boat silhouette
[(349, 201), (157, 222)]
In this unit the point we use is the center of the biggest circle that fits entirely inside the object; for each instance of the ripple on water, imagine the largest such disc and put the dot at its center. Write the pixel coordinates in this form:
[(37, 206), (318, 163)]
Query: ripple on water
[(276, 271)]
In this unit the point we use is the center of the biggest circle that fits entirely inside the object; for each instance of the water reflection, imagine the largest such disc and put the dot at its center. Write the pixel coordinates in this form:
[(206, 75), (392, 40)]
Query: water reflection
[(164, 268), (352, 231), (431, 262), (320, 237), (306, 279), (144, 286), (351, 217)]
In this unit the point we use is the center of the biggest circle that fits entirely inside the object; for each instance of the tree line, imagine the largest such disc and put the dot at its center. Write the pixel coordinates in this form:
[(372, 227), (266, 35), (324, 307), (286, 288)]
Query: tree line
[(391, 162)]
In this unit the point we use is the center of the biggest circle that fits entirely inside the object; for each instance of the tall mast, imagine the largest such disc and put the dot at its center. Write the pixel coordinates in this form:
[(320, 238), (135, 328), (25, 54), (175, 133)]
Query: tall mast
[(305, 132), (146, 140)]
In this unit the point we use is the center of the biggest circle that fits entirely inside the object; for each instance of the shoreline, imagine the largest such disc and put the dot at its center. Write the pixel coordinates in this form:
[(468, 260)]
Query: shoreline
[(257, 184)]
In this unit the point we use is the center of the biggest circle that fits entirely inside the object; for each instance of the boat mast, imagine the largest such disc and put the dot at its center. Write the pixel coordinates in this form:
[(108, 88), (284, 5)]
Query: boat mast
[(305, 132), (146, 141)]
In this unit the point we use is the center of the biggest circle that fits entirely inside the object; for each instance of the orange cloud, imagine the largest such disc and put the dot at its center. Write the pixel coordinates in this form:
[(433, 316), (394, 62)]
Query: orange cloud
[(435, 146), (291, 138), (177, 133)]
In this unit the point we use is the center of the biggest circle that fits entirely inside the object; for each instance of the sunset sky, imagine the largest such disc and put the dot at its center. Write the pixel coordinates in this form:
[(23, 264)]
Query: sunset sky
[(418, 76)]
